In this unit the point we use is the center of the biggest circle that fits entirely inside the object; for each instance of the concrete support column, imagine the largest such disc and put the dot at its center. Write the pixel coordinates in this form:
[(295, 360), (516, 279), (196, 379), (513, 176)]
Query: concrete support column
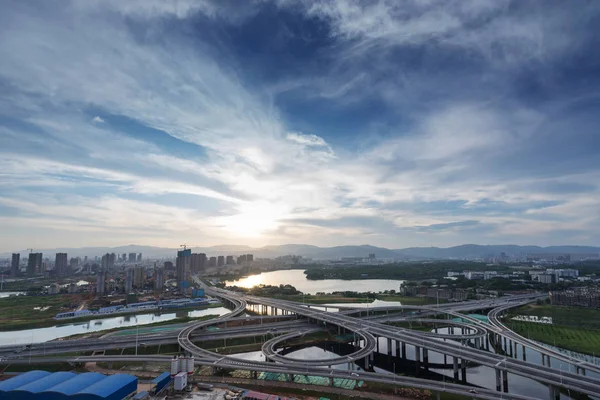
[(377, 338), (397, 349), (548, 359), (504, 346), (524, 352), (505, 381), (426, 359), (403, 351), (543, 359), (389, 349), (463, 370), (445, 359), (417, 359), (510, 348), (455, 362), (498, 381), (292, 377), (367, 363), (516, 348), (554, 393), (487, 344)]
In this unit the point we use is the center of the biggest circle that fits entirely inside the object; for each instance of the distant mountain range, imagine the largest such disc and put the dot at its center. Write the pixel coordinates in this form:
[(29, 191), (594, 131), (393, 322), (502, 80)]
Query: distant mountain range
[(460, 252)]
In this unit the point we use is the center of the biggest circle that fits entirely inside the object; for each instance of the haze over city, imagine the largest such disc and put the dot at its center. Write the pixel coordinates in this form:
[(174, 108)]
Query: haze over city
[(329, 123)]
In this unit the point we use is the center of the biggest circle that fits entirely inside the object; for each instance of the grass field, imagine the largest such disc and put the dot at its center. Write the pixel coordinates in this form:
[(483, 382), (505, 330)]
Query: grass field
[(564, 316), (576, 339), (23, 312)]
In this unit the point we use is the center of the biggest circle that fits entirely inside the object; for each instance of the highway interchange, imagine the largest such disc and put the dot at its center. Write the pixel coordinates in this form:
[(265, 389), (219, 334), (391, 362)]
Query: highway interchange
[(467, 345)]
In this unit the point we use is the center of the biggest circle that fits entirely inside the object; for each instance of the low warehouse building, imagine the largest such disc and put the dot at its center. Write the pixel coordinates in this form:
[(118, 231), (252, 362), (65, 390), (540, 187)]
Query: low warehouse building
[(43, 385)]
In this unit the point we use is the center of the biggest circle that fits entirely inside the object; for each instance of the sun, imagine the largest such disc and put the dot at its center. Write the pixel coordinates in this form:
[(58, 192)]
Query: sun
[(254, 219)]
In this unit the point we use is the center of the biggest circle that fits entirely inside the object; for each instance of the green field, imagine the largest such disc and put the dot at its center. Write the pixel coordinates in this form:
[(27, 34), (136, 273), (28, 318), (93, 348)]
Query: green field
[(575, 339), (564, 316), (23, 312)]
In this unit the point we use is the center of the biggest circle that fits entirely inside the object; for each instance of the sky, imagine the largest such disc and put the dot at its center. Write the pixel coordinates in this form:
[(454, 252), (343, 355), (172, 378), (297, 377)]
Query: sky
[(397, 124)]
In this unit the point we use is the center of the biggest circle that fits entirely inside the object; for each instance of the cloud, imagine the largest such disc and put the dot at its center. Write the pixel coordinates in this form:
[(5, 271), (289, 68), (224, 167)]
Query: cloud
[(380, 120)]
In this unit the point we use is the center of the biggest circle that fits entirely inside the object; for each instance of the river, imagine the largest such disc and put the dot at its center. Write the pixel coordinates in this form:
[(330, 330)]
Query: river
[(297, 278), (101, 324)]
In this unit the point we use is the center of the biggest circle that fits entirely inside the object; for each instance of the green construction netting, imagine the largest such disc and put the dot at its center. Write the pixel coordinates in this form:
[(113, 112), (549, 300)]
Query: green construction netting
[(311, 380)]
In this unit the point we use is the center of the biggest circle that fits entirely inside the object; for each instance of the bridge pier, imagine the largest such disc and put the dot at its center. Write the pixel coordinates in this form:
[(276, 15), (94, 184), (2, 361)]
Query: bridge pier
[(403, 351), (504, 346), (524, 352), (554, 393), (516, 348), (498, 381), (397, 349), (377, 340), (510, 348), (455, 366), (367, 363), (463, 370), (417, 359), (505, 381), (426, 359), (389, 349)]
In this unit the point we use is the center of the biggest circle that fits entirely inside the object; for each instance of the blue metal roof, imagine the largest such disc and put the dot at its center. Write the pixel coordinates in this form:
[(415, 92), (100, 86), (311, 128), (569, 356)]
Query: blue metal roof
[(77, 383), (109, 385), (162, 376), (46, 382), (23, 379), (67, 385)]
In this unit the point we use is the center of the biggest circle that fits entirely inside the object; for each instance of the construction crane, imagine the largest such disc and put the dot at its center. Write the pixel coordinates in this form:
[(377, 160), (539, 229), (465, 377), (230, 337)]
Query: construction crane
[(183, 245), (30, 250)]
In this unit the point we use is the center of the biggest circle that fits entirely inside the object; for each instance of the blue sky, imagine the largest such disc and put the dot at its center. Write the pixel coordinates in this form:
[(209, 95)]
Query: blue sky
[(335, 122)]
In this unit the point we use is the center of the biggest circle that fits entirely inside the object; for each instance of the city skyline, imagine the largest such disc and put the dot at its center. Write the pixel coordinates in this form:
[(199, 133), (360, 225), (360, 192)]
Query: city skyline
[(329, 123)]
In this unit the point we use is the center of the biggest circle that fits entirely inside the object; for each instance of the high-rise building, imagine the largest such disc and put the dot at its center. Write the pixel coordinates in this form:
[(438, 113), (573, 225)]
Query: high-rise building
[(60, 264), (128, 280), (112, 260), (195, 263), (138, 277), (159, 279), (220, 261), (101, 283), (14, 266), (124, 257), (249, 257), (241, 259), (108, 261), (132, 257), (34, 264), (74, 263), (139, 257), (182, 264), (229, 260), (169, 266), (212, 262)]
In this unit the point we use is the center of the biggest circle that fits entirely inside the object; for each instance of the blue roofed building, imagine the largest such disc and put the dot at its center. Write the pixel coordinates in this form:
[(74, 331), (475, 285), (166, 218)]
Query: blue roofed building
[(21, 380), (42, 385)]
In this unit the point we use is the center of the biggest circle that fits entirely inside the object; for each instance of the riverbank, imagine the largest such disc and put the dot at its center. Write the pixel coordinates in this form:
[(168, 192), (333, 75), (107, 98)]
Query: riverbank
[(144, 330), (340, 299), (575, 329), (30, 312)]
